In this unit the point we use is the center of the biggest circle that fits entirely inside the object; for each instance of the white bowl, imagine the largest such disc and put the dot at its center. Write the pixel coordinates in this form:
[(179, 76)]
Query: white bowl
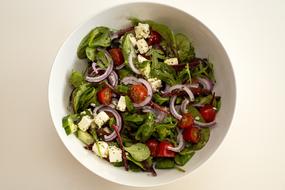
[(206, 45)]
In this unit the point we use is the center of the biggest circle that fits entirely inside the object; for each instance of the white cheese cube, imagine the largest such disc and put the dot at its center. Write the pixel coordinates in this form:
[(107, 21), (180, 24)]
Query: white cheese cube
[(115, 154), (85, 123), (101, 118), (103, 147), (142, 31), (121, 106), (142, 46), (146, 70), (141, 59), (171, 61), (133, 39), (155, 83)]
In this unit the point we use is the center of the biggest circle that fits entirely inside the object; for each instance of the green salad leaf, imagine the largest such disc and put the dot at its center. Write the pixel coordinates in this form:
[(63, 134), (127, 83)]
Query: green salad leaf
[(182, 159), (185, 49), (204, 138), (135, 118), (159, 99), (139, 164), (82, 97), (127, 47), (164, 163), (138, 151), (147, 129), (76, 79)]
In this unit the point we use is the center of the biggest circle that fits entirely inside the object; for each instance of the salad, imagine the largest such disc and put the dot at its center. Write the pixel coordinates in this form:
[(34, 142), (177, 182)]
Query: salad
[(145, 100)]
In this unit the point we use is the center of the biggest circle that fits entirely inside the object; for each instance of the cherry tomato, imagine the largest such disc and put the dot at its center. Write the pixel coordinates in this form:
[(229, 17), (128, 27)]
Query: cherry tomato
[(208, 112), (105, 96), (154, 38), (186, 121), (117, 56), (191, 134), (138, 93), (152, 145), (162, 150)]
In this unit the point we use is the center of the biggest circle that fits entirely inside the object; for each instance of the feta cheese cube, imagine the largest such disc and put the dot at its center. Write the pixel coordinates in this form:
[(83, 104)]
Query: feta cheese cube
[(146, 71), (155, 83), (103, 147), (101, 118), (85, 123), (142, 46), (142, 31), (141, 59), (115, 154), (133, 39), (121, 106), (171, 61)]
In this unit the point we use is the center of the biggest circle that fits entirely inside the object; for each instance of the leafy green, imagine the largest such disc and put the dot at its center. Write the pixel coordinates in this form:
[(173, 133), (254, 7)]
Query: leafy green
[(127, 47), (134, 168), (166, 129), (157, 98), (184, 48), (91, 53), (147, 129), (123, 89), (164, 163), (204, 99), (76, 79), (138, 151), (82, 97), (102, 60), (182, 159), (139, 164), (204, 69), (184, 76), (117, 164), (129, 104), (135, 118), (195, 114), (124, 72), (111, 122), (97, 37), (204, 137), (217, 102)]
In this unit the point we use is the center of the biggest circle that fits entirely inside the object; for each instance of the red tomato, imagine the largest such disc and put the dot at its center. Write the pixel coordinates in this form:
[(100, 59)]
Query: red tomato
[(152, 145), (208, 112), (162, 150), (105, 96), (117, 56), (138, 93), (186, 121), (154, 38), (191, 134)]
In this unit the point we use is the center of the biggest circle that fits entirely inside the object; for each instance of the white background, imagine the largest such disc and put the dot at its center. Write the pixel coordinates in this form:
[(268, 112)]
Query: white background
[(251, 157)]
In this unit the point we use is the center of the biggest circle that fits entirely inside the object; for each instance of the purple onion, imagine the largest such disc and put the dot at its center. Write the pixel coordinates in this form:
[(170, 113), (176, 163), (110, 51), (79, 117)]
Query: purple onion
[(184, 105), (202, 124), (206, 83), (131, 63), (172, 108), (113, 79), (181, 143)]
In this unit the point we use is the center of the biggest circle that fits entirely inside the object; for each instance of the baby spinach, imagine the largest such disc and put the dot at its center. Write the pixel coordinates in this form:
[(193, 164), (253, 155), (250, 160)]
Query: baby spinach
[(164, 163), (97, 37), (138, 151), (129, 104), (195, 113), (146, 130), (91, 53), (76, 79), (159, 99), (122, 89), (184, 48), (217, 102), (135, 118), (182, 159), (204, 69), (139, 164), (82, 97), (124, 72)]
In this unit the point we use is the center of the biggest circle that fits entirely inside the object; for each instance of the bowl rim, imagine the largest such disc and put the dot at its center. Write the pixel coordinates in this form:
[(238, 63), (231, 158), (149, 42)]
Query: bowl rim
[(139, 3)]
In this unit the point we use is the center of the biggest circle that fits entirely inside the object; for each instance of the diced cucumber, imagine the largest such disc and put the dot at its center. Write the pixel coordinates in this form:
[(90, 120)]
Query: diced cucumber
[(85, 137), (69, 125)]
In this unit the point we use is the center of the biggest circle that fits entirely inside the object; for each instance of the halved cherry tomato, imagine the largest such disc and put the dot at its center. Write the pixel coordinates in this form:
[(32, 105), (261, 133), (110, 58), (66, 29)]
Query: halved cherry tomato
[(154, 38), (152, 145), (117, 56), (191, 134), (138, 93), (186, 121), (105, 96), (162, 150), (208, 112)]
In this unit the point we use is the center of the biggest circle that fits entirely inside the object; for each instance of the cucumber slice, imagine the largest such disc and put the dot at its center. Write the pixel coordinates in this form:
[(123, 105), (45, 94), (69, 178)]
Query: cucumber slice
[(85, 137)]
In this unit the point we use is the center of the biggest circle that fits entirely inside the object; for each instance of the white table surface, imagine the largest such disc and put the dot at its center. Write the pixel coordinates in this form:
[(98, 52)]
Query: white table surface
[(251, 157)]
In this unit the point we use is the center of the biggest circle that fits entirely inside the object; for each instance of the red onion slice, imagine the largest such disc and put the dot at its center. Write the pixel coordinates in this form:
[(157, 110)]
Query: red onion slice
[(130, 80), (94, 68), (206, 83), (131, 63), (172, 108), (119, 66), (182, 87), (181, 143), (159, 114), (113, 79), (202, 124), (184, 105), (107, 72)]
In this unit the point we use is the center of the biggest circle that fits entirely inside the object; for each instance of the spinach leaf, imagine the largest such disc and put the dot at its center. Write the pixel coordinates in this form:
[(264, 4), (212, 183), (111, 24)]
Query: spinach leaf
[(146, 130), (217, 102), (82, 97), (184, 48), (91, 53), (117, 164), (134, 118), (134, 168), (124, 72), (127, 47), (164, 163), (129, 104), (157, 98), (100, 37), (123, 89), (204, 137), (204, 69), (139, 164), (195, 114), (164, 130), (204, 99), (184, 76), (138, 151), (76, 79), (181, 160)]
